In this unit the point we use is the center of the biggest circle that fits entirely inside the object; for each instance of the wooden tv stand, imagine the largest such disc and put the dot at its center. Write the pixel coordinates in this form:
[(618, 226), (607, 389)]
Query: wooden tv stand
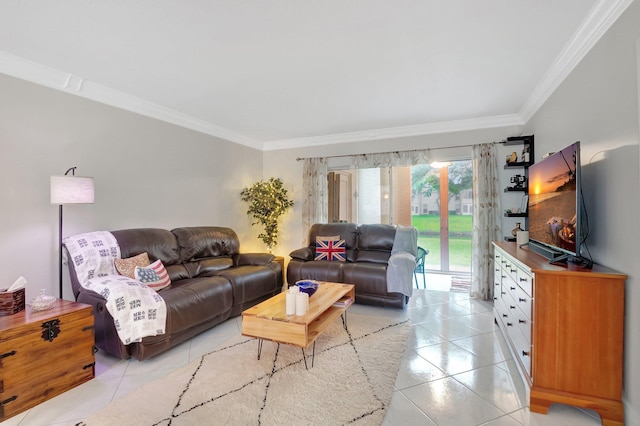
[(565, 328)]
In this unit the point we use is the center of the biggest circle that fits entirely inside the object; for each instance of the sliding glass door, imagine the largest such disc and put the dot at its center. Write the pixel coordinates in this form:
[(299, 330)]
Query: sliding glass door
[(442, 209), (435, 198)]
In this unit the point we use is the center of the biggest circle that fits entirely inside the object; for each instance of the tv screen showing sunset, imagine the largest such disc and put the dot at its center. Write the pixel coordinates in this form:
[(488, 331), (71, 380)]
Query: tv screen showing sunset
[(553, 199)]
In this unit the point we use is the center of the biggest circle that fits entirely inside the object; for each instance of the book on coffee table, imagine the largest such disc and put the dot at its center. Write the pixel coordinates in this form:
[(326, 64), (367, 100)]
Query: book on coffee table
[(344, 302)]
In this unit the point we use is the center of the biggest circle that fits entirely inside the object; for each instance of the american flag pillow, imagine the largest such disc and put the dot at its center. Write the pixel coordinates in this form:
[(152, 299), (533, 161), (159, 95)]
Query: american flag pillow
[(330, 250), (155, 276)]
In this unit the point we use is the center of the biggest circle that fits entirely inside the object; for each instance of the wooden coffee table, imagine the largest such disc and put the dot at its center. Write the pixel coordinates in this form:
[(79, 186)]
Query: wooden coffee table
[(269, 321)]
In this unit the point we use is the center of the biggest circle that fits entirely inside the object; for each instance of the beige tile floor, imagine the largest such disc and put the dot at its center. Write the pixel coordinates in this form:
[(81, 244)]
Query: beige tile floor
[(456, 370)]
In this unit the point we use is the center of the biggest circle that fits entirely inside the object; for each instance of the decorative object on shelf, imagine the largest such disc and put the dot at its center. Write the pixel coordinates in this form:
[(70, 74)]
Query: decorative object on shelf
[(512, 158), (267, 202), (515, 230), (42, 302), (69, 190), (525, 154), (522, 238), (518, 181), (524, 204)]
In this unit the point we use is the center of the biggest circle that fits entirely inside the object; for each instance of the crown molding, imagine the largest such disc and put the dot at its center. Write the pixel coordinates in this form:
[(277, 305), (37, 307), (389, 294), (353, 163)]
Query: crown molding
[(398, 132), (594, 26), (55, 79)]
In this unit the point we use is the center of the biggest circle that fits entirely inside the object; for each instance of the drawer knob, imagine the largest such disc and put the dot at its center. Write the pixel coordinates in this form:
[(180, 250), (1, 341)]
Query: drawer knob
[(509, 324), (520, 299), (512, 288), (513, 270), (520, 321), (504, 315), (503, 292), (523, 280), (525, 353), (512, 307)]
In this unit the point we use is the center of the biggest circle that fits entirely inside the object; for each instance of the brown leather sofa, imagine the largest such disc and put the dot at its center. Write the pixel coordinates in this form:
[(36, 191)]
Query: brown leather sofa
[(368, 252), (210, 282)]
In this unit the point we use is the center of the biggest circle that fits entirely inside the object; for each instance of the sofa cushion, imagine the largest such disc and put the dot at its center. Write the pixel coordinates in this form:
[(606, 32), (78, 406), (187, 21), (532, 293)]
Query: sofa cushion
[(304, 253), (194, 301), (158, 243), (250, 282), (201, 242), (207, 267), (368, 278), (154, 275), (330, 250), (127, 266), (314, 270), (375, 243)]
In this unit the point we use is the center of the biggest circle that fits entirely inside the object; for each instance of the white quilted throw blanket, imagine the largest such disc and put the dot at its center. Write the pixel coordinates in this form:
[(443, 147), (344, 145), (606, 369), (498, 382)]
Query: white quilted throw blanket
[(137, 310)]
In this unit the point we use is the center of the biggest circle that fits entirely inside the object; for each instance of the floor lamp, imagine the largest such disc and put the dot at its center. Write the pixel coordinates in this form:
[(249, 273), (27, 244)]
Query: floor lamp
[(69, 189)]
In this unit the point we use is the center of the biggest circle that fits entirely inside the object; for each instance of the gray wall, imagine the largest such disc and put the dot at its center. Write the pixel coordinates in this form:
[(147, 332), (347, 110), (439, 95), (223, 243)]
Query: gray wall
[(147, 174), (598, 105)]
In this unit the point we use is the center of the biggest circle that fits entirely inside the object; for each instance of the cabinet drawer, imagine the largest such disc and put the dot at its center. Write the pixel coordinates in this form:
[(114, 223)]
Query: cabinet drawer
[(523, 350), (525, 281), (510, 269), (524, 302)]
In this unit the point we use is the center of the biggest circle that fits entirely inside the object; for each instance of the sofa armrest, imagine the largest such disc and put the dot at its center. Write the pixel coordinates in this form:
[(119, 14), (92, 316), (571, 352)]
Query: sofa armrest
[(242, 259), (304, 253)]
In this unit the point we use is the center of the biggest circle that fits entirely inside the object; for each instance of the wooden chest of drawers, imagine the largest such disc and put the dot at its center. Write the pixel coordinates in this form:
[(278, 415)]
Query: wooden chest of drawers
[(565, 328), (43, 354)]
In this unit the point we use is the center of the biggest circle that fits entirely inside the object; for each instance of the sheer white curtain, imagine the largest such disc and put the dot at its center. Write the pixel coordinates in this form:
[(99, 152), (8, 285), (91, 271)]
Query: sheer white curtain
[(486, 218), (314, 182)]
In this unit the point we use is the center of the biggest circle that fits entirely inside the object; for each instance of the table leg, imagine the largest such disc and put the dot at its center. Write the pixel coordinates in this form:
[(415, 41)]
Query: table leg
[(313, 356), (344, 320), (259, 347)]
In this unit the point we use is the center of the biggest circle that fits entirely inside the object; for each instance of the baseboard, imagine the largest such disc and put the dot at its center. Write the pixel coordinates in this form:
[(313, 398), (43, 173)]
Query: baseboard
[(631, 415)]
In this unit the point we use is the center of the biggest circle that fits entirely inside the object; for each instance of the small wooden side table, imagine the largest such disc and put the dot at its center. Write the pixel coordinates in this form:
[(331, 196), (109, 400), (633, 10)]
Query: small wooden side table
[(43, 354)]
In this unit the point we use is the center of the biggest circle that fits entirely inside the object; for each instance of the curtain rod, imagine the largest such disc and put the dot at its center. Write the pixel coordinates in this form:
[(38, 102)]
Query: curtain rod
[(397, 152)]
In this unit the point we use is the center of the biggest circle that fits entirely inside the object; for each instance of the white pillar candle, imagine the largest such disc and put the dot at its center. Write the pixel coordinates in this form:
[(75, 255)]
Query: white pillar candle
[(291, 303), (302, 303)]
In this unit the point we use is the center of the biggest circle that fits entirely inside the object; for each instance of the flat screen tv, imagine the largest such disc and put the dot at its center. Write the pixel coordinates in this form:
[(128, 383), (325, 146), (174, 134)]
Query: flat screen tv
[(554, 205)]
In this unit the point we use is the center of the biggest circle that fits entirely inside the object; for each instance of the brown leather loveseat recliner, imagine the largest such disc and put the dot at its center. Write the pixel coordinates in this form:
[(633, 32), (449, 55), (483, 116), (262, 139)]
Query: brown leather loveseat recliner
[(372, 250)]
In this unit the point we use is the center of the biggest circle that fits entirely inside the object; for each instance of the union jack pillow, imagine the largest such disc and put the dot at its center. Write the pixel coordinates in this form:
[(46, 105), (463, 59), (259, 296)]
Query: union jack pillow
[(330, 249)]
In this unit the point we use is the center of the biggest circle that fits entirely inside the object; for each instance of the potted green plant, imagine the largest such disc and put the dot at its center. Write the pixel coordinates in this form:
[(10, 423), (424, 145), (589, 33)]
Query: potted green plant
[(268, 200)]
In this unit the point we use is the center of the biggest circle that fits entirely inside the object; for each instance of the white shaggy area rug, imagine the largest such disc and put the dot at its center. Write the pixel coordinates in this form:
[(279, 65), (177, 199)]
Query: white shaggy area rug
[(351, 382)]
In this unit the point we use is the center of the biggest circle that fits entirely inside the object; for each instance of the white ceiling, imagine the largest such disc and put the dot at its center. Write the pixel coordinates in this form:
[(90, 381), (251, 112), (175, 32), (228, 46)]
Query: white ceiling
[(282, 73)]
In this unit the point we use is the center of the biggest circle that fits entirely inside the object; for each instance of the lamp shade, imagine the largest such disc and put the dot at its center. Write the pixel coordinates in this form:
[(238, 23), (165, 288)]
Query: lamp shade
[(71, 190)]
